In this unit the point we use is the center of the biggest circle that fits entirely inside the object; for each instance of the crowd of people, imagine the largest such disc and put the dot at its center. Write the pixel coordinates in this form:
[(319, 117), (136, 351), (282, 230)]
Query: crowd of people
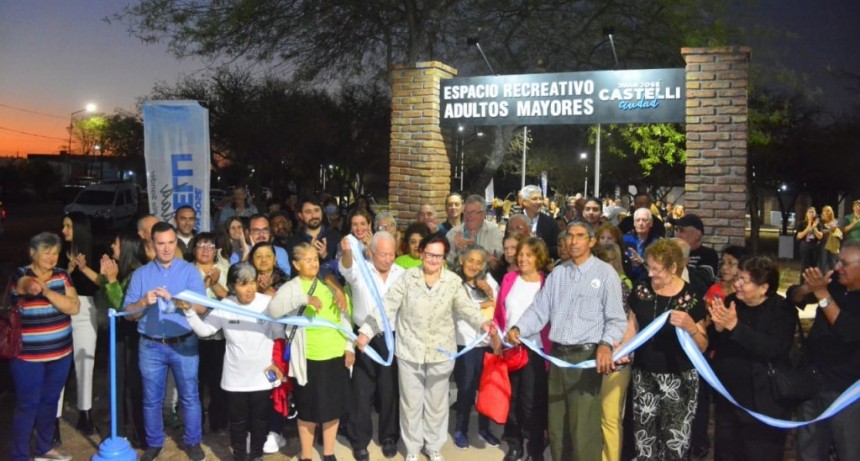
[(576, 282)]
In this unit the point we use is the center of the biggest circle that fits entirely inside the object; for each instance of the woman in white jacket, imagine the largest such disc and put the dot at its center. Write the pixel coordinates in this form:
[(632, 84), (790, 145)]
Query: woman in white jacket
[(247, 361)]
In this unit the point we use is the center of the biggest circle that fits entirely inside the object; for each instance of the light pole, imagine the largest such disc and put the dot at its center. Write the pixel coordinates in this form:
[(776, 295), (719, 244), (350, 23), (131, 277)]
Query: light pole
[(90, 108), (584, 156)]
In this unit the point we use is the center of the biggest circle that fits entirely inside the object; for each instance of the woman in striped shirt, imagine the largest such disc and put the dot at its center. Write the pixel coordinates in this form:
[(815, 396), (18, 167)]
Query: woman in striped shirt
[(46, 299)]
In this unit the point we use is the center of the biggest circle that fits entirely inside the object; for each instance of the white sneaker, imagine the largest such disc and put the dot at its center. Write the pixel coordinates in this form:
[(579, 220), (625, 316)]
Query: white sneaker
[(412, 457), (248, 443), (435, 456), (274, 443)]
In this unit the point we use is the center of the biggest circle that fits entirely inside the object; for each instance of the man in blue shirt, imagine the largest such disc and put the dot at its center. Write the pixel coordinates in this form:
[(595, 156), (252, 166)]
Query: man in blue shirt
[(166, 340)]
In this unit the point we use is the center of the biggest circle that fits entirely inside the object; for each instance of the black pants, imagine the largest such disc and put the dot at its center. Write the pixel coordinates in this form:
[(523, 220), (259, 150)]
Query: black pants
[(373, 383), (467, 375), (129, 387), (249, 412), (740, 437), (699, 441), (209, 371), (528, 414)]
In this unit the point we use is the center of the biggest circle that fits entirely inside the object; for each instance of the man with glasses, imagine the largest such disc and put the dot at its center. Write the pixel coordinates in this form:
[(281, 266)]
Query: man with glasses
[(186, 221), (833, 347), (581, 301), (260, 230), (475, 230)]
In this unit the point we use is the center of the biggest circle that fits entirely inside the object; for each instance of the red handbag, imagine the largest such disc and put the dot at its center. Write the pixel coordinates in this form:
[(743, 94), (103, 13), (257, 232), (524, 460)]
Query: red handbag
[(494, 391), (516, 357), (10, 328)]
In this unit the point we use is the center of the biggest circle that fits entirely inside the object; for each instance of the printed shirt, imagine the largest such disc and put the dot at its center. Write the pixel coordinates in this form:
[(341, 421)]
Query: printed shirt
[(46, 333), (582, 304), (425, 317)]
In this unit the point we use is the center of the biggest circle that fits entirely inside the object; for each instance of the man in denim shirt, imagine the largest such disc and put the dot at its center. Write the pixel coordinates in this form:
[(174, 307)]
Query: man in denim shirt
[(166, 340)]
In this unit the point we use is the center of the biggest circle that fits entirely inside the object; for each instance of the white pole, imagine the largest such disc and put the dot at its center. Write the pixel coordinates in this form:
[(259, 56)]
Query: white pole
[(597, 165), (525, 144)]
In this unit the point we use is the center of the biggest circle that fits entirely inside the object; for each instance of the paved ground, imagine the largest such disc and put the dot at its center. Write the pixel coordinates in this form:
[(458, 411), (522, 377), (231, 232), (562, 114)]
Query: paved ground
[(45, 217)]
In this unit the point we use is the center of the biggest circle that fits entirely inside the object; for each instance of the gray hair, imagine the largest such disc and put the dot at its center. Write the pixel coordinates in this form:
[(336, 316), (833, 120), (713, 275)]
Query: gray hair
[(474, 198), (45, 240), (384, 216), (582, 224), (641, 211), (379, 236), (474, 247), (240, 274), (562, 235), (530, 190)]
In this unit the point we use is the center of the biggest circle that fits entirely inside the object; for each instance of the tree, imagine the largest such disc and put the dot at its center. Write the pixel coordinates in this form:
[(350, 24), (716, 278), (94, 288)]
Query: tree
[(122, 135)]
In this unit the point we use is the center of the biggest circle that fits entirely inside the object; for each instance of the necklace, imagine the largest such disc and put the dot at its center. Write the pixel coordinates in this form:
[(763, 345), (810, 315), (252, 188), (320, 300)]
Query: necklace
[(668, 303)]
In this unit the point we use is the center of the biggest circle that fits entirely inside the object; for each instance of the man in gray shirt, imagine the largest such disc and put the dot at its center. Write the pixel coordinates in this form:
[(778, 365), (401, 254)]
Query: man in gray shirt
[(582, 303)]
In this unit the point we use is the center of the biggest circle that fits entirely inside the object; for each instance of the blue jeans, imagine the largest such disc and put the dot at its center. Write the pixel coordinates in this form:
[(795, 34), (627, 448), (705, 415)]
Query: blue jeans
[(37, 386), (182, 359), (467, 375)]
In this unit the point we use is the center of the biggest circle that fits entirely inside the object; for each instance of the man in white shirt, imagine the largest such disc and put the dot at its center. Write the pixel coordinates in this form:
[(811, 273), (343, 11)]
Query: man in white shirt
[(370, 380)]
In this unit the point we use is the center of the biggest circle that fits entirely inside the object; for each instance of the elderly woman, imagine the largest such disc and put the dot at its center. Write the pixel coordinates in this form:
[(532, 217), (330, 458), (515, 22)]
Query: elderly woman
[(754, 331), (425, 301), (247, 359), (662, 419), (270, 277), (527, 417), (482, 290), (47, 300), (385, 222), (77, 250), (320, 357)]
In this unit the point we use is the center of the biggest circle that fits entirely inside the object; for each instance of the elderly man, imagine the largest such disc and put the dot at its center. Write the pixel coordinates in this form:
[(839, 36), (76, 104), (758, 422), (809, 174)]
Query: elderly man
[(637, 240), (166, 340), (186, 220), (833, 346), (582, 303), (475, 229), (427, 216), (642, 200), (691, 230), (372, 382), (542, 225), (518, 224), (261, 231)]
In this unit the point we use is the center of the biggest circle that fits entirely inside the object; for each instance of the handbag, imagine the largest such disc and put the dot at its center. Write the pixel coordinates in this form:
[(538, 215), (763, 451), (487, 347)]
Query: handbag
[(494, 390), (797, 382), (10, 326), (292, 334), (516, 357)]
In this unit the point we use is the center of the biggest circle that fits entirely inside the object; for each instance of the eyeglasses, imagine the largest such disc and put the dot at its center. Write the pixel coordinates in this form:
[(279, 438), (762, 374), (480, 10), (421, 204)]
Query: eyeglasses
[(205, 246), (433, 255), (743, 281), (264, 230), (845, 263)]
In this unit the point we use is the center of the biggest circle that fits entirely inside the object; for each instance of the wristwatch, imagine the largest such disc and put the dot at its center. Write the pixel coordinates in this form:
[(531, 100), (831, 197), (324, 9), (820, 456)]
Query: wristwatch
[(824, 302)]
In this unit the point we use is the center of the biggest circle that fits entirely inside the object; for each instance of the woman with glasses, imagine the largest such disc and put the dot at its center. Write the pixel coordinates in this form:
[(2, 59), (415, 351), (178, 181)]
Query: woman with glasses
[(665, 383), (754, 330), (425, 302), (729, 264), (211, 348)]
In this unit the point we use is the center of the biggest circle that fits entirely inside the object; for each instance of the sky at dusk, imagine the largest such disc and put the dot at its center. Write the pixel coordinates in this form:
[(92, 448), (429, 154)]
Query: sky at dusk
[(56, 56)]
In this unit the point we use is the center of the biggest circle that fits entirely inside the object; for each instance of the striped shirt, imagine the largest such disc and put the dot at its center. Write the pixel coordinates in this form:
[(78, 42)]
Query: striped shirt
[(45, 331), (582, 304)]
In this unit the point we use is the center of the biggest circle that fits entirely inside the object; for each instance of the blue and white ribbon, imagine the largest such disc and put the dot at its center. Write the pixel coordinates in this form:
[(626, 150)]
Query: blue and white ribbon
[(367, 277)]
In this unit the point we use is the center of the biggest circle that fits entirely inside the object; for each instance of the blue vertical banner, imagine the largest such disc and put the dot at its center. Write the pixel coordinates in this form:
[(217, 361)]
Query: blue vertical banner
[(176, 149)]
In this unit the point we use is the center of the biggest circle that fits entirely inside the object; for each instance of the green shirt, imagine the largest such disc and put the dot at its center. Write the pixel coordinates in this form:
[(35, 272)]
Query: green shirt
[(323, 343), (407, 261)]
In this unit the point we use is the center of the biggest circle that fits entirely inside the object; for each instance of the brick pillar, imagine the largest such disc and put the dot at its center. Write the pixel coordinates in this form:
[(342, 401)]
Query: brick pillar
[(419, 171), (717, 125)]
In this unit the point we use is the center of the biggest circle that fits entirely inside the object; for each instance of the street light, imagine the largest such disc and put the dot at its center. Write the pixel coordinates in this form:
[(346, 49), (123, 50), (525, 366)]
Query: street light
[(584, 156), (89, 108)]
